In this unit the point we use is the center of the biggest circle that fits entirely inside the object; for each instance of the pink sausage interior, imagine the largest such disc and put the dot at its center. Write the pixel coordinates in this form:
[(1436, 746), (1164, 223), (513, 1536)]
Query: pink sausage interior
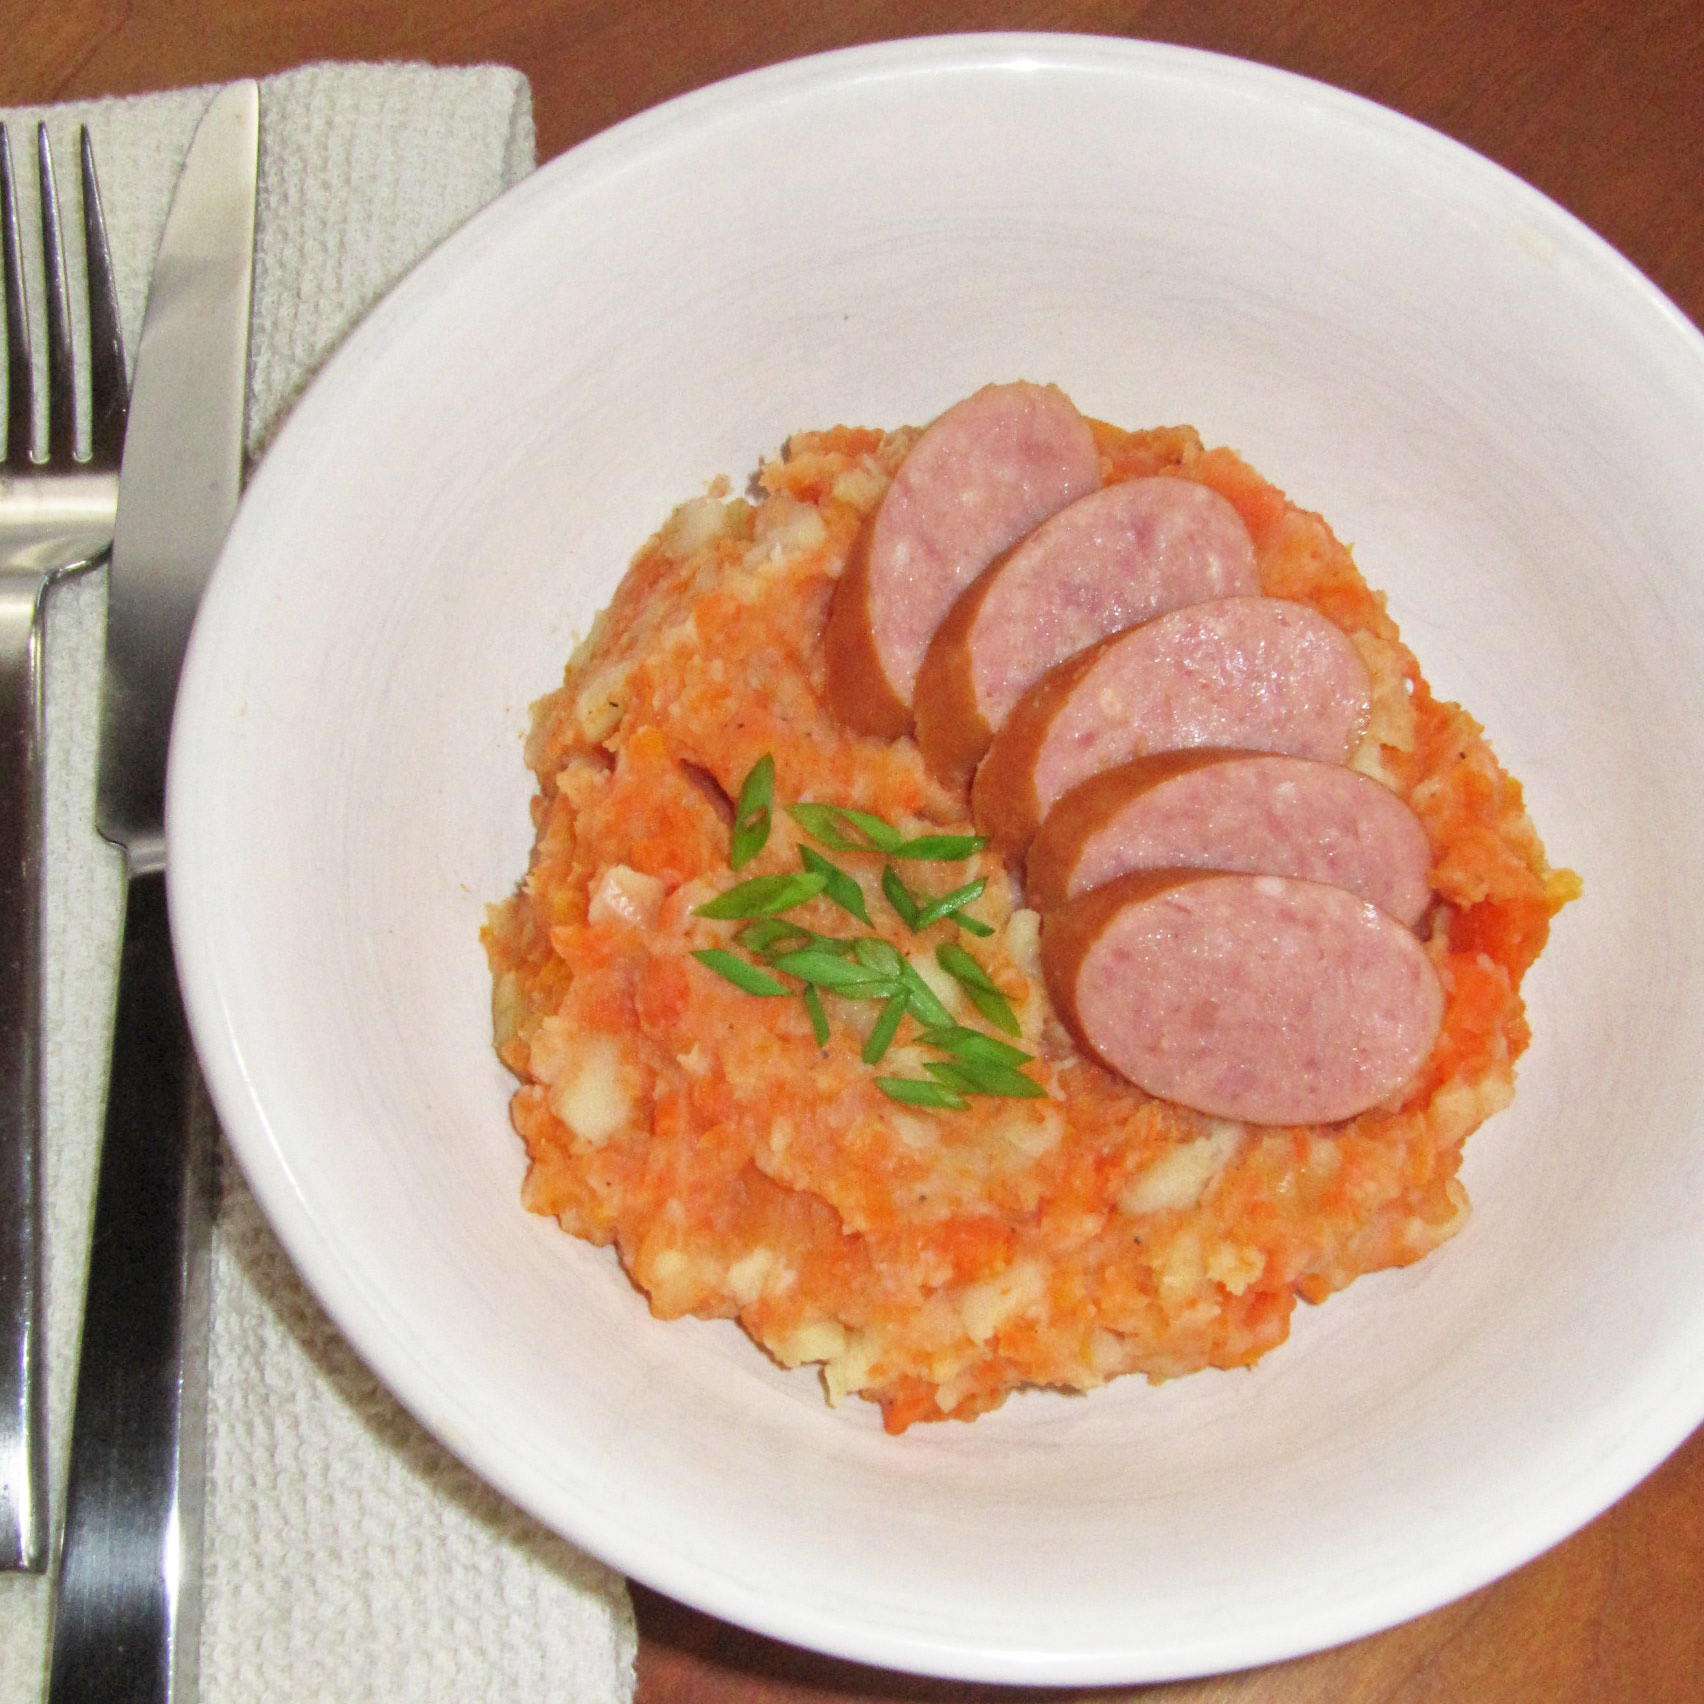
[(1268, 815), (1112, 559), (1251, 674), (1258, 998), (983, 475)]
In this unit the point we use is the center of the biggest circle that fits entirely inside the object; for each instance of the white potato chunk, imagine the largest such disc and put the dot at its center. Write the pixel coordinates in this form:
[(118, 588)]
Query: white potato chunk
[(624, 895), (1177, 1180)]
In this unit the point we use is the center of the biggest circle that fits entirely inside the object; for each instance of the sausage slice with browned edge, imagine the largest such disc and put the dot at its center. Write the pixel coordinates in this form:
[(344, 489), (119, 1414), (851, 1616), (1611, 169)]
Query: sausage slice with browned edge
[(988, 471), (1106, 562), (1243, 674), (1254, 812), (1260, 998)]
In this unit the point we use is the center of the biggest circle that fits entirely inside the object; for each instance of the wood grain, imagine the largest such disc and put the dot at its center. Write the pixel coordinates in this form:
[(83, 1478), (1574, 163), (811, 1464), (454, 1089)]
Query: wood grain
[(1598, 103)]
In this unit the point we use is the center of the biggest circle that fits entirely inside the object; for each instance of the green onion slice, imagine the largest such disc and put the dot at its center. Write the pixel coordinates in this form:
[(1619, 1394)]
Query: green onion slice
[(746, 977), (878, 957), (974, 1046), (963, 969), (763, 896), (996, 1009), (917, 1091), (819, 1018), (770, 936), (767, 933), (887, 1026), (900, 897), (751, 812), (939, 848), (951, 1074), (830, 971), (973, 1079), (925, 1003), (843, 830), (978, 987), (948, 903), (839, 886)]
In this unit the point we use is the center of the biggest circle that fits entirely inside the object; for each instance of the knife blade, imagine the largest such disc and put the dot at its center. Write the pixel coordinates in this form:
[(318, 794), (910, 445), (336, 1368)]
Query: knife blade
[(127, 1619)]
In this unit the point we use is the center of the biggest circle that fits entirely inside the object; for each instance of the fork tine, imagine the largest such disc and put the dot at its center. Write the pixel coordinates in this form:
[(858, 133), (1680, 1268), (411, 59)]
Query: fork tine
[(108, 392), (61, 367), (19, 389)]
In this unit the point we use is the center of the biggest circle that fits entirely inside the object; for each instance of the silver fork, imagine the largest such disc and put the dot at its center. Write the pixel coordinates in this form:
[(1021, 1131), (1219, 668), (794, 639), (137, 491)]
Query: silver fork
[(56, 517)]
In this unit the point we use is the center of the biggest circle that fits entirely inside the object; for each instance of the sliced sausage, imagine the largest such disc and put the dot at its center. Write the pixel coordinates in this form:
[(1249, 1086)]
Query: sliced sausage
[(1245, 674), (1234, 810), (991, 469), (1109, 560), (1259, 998)]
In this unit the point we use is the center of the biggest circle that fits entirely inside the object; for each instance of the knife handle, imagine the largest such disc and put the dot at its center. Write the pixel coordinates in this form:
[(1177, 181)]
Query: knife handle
[(127, 1625), (23, 1417)]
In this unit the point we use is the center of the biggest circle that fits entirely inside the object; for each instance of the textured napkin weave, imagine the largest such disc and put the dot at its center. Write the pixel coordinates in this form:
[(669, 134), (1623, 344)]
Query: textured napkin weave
[(347, 1554)]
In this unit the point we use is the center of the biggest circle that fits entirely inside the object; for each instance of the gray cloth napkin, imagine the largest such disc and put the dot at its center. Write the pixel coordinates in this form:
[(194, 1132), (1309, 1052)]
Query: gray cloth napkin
[(347, 1553)]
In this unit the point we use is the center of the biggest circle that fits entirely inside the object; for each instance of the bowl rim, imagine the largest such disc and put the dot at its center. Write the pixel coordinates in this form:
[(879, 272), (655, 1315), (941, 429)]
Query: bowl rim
[(360, 1313)]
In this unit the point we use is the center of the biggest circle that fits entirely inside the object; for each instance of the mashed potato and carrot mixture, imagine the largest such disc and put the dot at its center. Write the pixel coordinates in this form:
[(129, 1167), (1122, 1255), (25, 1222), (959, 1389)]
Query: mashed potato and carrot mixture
[(736, 1147)]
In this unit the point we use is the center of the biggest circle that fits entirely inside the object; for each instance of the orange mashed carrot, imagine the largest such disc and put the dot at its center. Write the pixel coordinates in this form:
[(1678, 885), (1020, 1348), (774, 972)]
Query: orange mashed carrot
[(936, 1261)]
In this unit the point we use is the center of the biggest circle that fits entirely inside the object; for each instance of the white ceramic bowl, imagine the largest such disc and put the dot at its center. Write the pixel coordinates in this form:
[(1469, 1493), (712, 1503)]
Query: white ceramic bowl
[(1502, 416)]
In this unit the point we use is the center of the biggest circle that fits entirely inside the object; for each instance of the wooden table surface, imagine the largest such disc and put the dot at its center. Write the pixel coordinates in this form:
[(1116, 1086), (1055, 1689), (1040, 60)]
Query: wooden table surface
[(1600, 104)]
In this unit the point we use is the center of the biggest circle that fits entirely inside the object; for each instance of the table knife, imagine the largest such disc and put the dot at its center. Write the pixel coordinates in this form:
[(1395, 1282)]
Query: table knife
[(127, 1617)]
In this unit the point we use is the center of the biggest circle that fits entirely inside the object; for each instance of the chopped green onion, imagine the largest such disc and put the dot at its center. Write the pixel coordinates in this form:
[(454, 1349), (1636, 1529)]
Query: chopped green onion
[(771, 936), (996, 1009), (830, 825), (936, 909), (865, 968), (836, 944), (743, 976), (819, 1018), (919, 915), (840, 888), (950, 1073), (768, 932), (880, 835), (980, 990), (963, 968), (916, 1091), (974, 1046), (1014, 1085), (881, 1037), (900, 897), (751, 812), (763, 896), (878, 957), (828, 970), (925, 1003), (939, 848), (959, 965), (978, 1079)]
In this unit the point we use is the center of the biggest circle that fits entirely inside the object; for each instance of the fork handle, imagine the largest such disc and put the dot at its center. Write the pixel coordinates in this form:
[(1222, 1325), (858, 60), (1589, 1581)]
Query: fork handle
[(23, 1416)]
